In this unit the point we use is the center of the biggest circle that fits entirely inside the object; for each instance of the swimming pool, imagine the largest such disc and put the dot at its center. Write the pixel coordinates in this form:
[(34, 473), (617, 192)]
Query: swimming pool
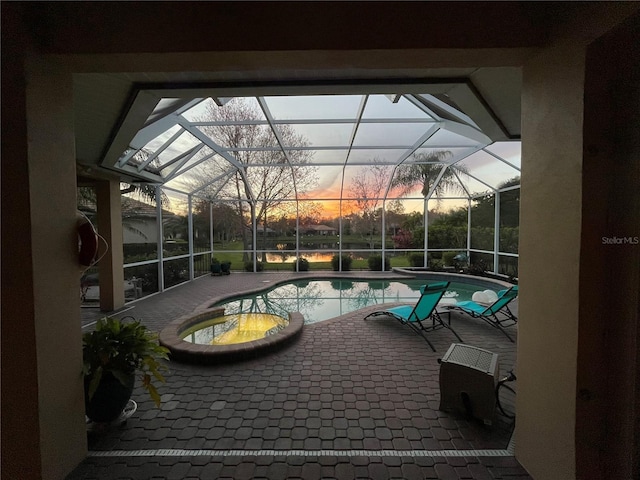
[(319, 300)]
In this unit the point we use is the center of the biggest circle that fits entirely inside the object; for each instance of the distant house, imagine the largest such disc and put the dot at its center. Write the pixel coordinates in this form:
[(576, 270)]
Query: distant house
[(318, 230), (260, 230), (139, 222)]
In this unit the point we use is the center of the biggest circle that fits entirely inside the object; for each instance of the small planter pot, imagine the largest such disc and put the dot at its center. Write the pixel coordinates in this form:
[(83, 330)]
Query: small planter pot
[(110, 398)]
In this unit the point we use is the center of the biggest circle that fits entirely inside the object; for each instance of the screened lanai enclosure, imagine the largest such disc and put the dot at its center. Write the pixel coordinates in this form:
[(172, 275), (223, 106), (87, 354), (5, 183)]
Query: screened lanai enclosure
[(334, 181)]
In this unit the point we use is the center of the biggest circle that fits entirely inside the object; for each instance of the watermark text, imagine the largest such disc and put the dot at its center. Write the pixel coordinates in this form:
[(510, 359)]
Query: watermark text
[(620, 240)]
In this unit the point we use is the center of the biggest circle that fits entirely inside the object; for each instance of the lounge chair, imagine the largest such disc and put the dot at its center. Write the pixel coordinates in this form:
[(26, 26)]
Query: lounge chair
[(497, 314), (425, 309)]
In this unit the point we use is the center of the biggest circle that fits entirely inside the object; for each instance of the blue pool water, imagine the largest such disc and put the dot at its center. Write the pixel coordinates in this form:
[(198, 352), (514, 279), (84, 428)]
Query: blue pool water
[(320, 300)]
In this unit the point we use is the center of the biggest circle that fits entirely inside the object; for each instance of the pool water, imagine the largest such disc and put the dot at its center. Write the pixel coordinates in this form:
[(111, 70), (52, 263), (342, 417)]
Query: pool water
[(319, 300)]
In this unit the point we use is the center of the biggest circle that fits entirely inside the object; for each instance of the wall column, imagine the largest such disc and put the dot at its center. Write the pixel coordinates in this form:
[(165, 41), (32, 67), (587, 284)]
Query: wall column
[(56, 270), (111, 257), (20, 424), (550, 230)]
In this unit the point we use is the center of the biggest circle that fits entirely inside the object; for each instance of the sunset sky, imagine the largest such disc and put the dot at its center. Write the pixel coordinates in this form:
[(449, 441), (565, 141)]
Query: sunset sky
[(342, 135)]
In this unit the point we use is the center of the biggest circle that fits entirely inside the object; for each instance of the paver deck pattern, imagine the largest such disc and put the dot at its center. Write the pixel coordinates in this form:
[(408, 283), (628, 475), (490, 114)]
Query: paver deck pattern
[(349, 399)]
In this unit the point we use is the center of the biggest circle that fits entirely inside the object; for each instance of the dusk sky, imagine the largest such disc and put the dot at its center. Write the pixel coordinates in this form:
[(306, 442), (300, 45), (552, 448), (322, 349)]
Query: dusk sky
[(329, 124)]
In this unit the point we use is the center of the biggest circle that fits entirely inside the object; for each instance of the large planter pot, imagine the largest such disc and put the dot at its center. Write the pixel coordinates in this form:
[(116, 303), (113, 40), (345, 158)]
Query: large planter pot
[(110, 398)]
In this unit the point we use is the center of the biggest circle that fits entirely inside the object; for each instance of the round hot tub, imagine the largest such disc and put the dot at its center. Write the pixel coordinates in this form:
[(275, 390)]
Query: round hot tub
[(210, 336), (234, 328)]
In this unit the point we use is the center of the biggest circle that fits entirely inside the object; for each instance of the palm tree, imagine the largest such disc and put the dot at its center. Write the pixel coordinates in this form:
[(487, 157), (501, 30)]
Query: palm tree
[(435, 176), (426, 169), (144, 191)]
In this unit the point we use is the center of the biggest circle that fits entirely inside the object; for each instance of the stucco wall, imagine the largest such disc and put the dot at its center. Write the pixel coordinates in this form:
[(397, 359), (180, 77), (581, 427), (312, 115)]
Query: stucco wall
[(550, 229), (52, 179)]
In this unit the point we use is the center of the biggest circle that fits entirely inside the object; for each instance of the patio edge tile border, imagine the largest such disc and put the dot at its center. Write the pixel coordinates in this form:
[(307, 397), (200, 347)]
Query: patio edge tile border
[(169, 452)]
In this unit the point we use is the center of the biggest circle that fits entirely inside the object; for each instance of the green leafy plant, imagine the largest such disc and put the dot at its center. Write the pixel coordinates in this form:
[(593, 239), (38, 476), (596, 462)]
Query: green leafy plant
[(479, 267), (375, 263), (436, 265), (248, 266), (123, 349), (416, 259), (346, 263), (448, 258)]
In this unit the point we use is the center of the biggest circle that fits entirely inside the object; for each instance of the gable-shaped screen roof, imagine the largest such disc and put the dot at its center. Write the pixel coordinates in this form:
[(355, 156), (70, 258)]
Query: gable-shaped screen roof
[(317, 144)]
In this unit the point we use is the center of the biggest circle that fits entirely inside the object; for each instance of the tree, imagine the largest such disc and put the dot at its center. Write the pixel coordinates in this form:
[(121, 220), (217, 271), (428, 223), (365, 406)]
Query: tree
[(424, 170), (396, 207), (411, 221), (225, 222), (367, 190), (201, 224), (309, 212), (175, 227), (403, 239), (510, 203), (483, 210), (394, 216), (144, 192), (258, 175), (453, 218), (449, 229), (283, 226)]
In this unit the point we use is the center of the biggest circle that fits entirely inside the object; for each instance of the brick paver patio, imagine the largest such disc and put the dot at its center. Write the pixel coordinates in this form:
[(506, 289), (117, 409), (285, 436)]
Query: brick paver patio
[(349, 399)]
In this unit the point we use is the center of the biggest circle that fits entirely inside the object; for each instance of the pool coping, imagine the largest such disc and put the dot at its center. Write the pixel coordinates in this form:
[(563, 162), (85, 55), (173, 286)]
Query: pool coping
[(452, 276), (183, 351)]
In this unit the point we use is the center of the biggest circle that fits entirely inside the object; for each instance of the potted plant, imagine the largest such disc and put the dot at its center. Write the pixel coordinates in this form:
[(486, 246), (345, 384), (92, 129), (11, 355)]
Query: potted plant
[(112, 355), (225, 268), (216, 266), (302, 265)]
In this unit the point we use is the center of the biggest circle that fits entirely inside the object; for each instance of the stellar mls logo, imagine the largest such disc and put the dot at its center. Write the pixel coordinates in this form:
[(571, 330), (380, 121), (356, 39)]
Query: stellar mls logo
[(620, 240)]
